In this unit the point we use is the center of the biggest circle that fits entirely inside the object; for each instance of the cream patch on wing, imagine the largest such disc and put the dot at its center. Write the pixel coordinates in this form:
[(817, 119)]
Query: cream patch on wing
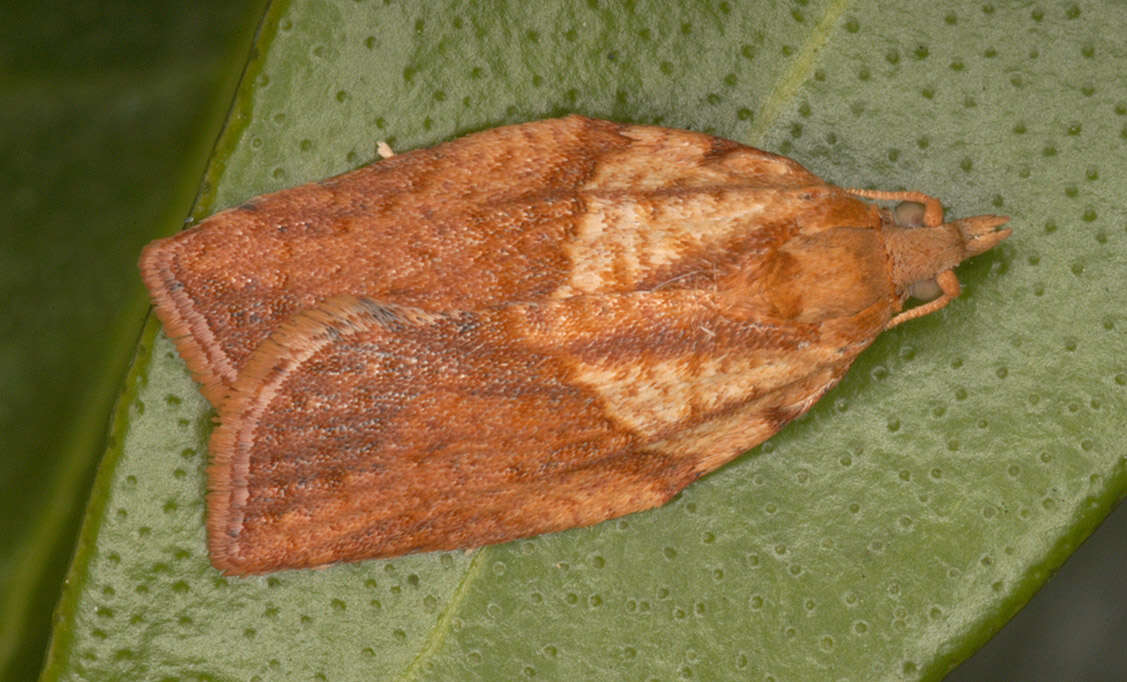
[(621, 240), (649, 398), (716, 441), (664, 157), (657, 160)]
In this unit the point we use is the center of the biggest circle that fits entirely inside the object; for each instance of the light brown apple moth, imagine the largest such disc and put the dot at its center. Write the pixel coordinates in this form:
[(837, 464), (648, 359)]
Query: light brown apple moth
[(527, 329)]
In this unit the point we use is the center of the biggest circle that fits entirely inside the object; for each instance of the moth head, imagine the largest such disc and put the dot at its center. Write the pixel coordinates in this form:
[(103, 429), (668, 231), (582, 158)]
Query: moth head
[(920, 253)]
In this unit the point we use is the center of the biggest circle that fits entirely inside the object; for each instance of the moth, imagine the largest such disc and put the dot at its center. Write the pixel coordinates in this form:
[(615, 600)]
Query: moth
[(527, 329)]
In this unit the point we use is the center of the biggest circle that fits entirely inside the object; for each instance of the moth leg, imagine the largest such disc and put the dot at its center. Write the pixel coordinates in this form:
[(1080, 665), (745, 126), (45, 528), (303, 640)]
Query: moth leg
[(948, 283), (933, 210)]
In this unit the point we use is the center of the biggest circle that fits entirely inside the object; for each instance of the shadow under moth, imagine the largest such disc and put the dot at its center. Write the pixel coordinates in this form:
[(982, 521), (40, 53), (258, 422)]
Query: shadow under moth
[(527, 329)]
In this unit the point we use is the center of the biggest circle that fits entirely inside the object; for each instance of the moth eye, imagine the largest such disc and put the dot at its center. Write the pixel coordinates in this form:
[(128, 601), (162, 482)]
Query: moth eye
[(925, 290), (909, 214)]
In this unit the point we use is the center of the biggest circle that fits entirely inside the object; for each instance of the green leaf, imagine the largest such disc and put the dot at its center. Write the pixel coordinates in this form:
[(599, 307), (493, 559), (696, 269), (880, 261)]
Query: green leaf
[(885, 535), (107, 116)]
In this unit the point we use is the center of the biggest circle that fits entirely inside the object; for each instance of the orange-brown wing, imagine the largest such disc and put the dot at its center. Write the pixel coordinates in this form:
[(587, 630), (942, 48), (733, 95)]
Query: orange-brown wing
[(537, 211), (361, 429)]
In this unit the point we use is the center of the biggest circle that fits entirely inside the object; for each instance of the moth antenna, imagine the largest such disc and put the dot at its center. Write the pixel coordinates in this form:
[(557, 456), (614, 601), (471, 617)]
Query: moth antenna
[(933, 209), (948, 283)]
